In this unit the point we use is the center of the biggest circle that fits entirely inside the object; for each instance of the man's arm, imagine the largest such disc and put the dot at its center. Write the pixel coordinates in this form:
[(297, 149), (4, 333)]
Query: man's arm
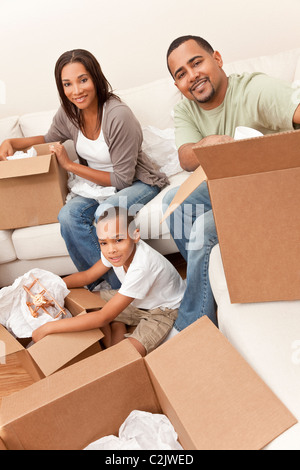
[(296, 118), (187, 157)]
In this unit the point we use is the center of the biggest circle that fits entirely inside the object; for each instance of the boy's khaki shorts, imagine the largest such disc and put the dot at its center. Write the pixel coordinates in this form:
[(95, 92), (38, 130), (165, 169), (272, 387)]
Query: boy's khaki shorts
[(152, 326)]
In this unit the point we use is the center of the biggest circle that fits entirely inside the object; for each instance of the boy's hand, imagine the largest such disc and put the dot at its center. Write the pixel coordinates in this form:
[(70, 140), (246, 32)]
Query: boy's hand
[(41, 332)]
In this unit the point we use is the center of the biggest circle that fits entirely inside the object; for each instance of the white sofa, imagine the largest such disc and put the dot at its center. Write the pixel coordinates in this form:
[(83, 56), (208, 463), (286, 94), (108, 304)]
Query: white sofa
[(267, 335)]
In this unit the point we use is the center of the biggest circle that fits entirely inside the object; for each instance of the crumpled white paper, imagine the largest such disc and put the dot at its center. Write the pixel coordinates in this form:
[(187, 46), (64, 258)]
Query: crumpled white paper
[(159, 145), (14, 313), (19, 154), (82, 187), (141, 431), (242, 132)]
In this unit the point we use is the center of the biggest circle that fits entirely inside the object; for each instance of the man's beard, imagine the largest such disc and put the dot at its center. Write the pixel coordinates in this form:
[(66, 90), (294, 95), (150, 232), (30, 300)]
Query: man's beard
[(206, 98)]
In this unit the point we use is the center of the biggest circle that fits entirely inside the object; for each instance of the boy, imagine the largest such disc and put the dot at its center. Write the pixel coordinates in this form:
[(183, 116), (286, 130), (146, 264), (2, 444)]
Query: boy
[(149, 297)]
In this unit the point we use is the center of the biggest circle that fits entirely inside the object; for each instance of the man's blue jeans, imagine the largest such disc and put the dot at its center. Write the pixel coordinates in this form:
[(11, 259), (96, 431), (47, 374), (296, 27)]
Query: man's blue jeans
[(193, 229), (78, 230)]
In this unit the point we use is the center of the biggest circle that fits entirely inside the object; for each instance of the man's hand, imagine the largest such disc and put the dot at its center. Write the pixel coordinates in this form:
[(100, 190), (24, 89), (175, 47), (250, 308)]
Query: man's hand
[(6, 150), (187, 157)]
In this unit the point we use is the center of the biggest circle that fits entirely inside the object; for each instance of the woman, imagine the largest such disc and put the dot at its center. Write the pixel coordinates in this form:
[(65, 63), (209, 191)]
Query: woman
[(108, 141)]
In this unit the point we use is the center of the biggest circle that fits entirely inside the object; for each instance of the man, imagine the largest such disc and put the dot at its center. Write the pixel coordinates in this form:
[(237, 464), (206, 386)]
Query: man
[(213, 107)]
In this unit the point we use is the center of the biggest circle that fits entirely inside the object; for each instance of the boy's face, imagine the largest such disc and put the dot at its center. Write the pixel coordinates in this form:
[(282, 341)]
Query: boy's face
[(115, 243)]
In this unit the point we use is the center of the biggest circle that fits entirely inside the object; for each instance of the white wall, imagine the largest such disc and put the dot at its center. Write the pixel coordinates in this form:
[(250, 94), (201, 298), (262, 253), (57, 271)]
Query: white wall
[(129, 38)]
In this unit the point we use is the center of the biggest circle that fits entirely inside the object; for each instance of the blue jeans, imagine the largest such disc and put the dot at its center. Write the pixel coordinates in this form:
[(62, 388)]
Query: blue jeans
[(193, 229), (79, 232)]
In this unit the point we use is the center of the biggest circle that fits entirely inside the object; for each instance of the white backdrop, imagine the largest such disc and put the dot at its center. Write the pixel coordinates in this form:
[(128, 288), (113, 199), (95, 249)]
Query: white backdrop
[(129, 38)]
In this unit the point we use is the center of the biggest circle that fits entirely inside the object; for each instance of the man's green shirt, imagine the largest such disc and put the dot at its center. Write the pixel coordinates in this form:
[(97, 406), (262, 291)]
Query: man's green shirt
[(253, 100)]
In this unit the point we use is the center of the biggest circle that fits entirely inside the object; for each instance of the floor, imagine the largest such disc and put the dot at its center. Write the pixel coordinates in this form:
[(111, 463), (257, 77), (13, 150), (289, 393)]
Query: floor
[(12, 375)]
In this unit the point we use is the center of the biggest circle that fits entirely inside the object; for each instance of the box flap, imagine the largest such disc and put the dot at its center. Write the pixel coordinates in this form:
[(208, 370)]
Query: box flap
[(2, 446), (8, 344), (258, 224), (212, 396), (55, 351), (185, 190), (250, 156), (82, 299), (25, 167), (80, 404)]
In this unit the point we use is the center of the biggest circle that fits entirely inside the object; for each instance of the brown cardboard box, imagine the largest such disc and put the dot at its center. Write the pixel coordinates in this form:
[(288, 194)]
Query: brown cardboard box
[(255, 193), (32, 190), (2, 446), (59, 350), (211, 395)]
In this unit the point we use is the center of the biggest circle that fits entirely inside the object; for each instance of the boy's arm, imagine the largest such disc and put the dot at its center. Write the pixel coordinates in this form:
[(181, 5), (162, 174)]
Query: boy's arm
[(84, 278), (88, 321)]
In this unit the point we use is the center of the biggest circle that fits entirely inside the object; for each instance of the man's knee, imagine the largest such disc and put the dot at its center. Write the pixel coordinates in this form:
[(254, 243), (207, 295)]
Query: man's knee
[(168, 198)]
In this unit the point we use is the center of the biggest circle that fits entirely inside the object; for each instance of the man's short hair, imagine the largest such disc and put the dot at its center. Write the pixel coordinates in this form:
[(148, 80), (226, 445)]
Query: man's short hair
[(118, 212), (181, 40)]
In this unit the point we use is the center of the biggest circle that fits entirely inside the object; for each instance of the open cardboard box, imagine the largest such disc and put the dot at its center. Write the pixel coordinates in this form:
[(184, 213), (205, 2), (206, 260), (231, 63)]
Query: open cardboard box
[(255, 194), (59, 350), (32, 190), (213, 398)]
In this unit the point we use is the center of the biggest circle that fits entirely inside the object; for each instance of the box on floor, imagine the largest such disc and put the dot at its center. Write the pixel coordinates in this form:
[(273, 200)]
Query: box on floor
[(32, 190), (255, 194), (213, 398)]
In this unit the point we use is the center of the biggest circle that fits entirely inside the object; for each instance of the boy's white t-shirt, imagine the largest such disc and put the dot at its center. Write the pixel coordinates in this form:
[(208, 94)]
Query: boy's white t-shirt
[(151, 280)]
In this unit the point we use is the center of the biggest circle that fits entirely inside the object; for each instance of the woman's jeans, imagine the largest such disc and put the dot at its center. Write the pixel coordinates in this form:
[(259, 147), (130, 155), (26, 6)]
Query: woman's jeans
[(193, 229), (79, 232)]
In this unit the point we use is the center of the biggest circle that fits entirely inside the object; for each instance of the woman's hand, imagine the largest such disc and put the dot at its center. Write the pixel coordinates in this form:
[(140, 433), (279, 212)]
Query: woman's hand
[(61, 155), (6, 150), (41, 332)]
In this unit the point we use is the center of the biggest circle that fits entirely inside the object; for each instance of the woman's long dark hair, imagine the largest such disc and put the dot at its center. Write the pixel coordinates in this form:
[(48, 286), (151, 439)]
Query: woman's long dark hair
[(102, 86)]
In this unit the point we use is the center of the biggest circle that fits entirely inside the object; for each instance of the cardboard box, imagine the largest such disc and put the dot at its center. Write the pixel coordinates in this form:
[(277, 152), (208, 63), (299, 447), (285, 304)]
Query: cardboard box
[(255, 193), (57, 351), (32, 190), (211, 395)]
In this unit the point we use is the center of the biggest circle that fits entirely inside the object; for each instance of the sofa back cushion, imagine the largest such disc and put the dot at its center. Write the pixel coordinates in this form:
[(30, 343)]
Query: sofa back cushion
[(9, 128)]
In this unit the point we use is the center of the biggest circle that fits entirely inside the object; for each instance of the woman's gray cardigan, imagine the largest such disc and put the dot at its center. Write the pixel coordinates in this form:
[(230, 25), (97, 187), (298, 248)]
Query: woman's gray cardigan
[(123, 135)]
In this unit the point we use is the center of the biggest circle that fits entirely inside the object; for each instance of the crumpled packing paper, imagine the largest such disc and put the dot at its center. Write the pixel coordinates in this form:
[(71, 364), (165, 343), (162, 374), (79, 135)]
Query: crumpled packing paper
[(14, 313), (79, 186), (159, 145), (19, 154), (141, 431)]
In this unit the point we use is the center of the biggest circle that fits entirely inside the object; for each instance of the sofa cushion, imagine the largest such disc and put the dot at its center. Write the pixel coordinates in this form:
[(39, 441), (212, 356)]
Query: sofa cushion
[(9, 128), (7, 252), (43, 241), (267, 335), (36, 123), (153, 102), (281, 65)]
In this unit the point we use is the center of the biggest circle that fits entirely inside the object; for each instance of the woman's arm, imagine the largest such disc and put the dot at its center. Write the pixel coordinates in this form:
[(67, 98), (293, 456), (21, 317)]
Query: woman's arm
[(10, 146), (102, 178), (88, 321)]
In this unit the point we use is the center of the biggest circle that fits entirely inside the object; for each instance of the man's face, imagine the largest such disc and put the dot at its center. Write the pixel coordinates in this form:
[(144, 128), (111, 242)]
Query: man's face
[(198, 74)]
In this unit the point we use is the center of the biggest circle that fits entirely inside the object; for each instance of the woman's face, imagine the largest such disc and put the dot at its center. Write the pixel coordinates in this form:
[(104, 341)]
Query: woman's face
[(78, 86)]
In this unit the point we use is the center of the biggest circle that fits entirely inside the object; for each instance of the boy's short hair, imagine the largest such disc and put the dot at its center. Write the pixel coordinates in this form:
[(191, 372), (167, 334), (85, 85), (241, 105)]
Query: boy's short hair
[(117, 212)]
